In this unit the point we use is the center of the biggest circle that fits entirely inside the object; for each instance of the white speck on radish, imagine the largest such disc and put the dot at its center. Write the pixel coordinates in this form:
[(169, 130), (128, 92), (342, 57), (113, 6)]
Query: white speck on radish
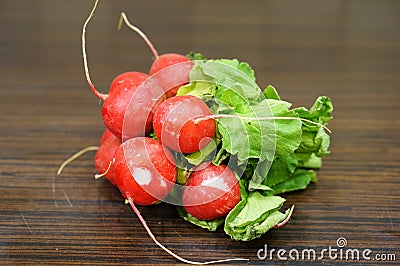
[(142, 176), (171, 132), (218, 183), (163, 183), (219, 211)]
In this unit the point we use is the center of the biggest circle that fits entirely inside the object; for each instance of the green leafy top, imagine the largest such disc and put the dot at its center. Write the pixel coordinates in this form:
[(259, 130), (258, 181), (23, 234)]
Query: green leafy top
[(261, 138)]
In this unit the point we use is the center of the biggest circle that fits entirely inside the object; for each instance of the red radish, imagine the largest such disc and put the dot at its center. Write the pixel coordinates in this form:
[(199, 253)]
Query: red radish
[(176, 76), (144, 170), (104, 158), (176, 127), (137, 92), (136, 87), (211, 191), (106, 135), (166, 60), (170, 80)]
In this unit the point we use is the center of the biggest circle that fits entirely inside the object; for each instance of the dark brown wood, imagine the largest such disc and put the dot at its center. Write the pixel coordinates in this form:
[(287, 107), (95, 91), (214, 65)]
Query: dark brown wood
[(348, 50)]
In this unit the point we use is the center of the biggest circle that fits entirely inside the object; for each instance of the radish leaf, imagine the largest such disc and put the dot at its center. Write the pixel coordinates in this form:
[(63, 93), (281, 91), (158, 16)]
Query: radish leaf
[(253, 216), (210, 225)]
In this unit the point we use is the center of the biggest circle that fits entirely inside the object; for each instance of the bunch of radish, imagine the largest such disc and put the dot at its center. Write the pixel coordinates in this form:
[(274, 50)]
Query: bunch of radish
[(143, 168), (148, 125)]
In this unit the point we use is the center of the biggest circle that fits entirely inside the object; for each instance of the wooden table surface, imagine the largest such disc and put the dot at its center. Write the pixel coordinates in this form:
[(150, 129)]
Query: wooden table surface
[(347, 50)]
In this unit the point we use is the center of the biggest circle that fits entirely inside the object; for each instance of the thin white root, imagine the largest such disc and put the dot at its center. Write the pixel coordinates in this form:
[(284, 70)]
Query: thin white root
[(141, 219), (124, 18), (85, 63), (98, 176), (261, 119), (286, 219), (75, 156)]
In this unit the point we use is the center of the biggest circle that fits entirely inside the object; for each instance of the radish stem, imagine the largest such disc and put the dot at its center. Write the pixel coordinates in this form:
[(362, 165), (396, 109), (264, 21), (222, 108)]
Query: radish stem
[(76, 155), (141, 219), (286, 219), (124, 18), (98, 176), (217, 116), (85, 63)]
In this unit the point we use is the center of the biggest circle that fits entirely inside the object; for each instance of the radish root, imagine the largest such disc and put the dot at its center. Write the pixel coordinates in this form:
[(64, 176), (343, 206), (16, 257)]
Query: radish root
[(141, 219), (75, 156), (286, 219), (124, 18), (217, 116), (98, 176), (85, 63)]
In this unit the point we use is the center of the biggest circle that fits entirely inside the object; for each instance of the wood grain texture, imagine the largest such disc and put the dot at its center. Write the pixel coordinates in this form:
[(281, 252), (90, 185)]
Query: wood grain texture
[(348, 50)]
